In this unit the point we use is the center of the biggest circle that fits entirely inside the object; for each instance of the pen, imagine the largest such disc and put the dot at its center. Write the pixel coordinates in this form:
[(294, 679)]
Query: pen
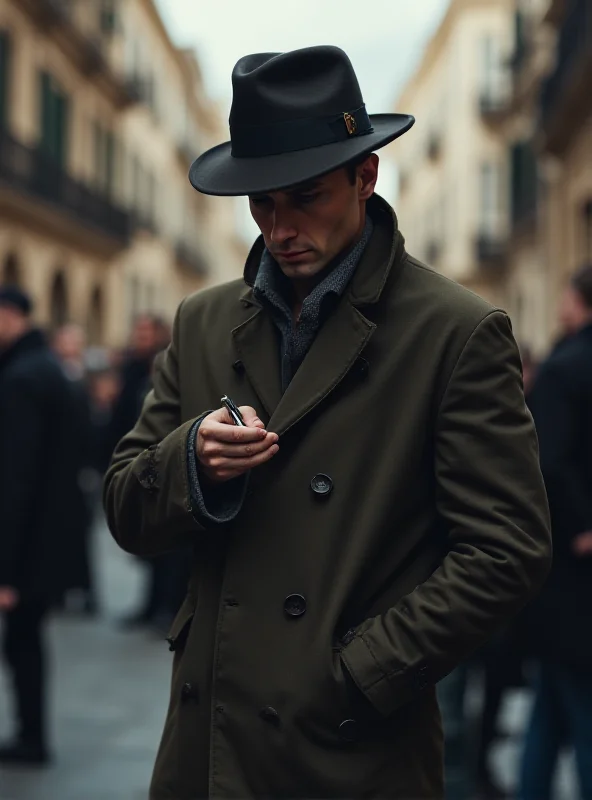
[(232, 409)]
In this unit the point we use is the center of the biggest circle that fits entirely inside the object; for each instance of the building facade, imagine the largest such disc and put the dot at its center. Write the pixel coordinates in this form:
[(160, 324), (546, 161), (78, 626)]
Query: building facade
[(100, 117), (496, 191), (453, 170)]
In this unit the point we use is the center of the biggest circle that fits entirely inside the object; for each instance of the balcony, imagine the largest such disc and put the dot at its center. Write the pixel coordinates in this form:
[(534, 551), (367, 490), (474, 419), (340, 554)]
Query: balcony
[(55, 19), (191, 258), (566, 100), (490, 251), (28, 172), (493, 106)]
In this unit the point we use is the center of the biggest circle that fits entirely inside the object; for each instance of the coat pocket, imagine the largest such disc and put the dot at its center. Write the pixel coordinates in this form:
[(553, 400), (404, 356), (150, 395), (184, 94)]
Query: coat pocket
[(177, 635)]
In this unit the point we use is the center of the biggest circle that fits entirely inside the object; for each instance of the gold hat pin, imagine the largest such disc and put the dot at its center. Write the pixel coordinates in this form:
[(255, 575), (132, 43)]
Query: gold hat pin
[(350, 124)]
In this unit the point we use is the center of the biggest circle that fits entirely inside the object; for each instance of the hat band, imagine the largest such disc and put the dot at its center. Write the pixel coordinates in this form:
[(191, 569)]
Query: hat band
[(254, 141)]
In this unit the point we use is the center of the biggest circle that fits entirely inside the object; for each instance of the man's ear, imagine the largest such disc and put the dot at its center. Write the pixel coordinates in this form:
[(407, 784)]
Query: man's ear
[(368, 175)]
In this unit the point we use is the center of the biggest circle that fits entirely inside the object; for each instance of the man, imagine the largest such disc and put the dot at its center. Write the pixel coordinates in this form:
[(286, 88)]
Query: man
[(37, 479), (380, 513), (560, 620), (69, 344)]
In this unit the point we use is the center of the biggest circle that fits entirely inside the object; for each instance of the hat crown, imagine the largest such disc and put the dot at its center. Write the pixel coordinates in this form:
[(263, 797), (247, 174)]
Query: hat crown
[(279, 87)]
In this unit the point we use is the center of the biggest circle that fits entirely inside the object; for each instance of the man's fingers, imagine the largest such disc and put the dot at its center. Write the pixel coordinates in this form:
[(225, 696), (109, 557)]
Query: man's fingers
[(250, 417), (216, 449), (221, 432), (229, 468)]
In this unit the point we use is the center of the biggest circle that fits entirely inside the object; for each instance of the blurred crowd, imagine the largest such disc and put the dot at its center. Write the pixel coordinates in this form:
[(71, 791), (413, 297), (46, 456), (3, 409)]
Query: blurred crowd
[(64, 407)]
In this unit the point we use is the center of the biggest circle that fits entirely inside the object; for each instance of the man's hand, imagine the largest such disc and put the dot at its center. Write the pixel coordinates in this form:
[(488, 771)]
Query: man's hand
[(582, 544), (9, 598), (226, 450)]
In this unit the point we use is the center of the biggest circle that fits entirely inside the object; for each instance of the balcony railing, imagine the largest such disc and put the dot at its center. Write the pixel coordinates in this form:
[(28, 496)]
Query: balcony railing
[(30, 171), (190, 257), (566, 98), (490, 250)]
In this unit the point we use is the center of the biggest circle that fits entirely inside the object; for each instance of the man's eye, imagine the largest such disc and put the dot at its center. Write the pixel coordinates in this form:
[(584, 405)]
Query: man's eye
[(307, 198), (259, 201)]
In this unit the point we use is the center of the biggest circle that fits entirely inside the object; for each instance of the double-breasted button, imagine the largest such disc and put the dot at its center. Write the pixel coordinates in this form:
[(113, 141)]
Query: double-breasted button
[(269, 714), (321, 485), (189, 691), (295, 605), (348, 637), (349, 731), (238, 367)]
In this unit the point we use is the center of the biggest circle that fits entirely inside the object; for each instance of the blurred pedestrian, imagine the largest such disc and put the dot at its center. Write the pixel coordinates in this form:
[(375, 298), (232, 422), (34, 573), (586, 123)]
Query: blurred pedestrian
[(560, 621), (37, 480), (68, 343), (389, 518), (166, 573)]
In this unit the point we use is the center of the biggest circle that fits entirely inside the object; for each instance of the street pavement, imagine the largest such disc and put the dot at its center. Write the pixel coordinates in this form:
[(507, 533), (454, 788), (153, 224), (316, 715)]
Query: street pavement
[(109, 698)]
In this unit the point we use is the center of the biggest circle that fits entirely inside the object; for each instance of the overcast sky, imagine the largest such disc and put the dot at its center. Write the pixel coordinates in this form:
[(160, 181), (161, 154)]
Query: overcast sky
[(383, 38)]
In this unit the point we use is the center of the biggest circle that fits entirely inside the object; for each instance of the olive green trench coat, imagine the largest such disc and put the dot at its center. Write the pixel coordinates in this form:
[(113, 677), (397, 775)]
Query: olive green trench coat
[(402, 521)]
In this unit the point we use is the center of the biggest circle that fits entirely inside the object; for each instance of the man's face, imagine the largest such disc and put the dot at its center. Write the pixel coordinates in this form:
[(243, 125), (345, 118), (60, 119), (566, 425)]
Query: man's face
[(573, 312), (307, 226), (10, 324), (144, 337)]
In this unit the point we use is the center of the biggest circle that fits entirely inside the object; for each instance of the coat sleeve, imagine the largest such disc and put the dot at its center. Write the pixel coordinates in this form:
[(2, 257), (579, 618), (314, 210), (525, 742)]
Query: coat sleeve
[(146, 489), (491, 498)]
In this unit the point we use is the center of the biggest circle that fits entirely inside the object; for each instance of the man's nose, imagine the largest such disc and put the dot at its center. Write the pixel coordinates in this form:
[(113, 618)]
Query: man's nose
[(283, 228)]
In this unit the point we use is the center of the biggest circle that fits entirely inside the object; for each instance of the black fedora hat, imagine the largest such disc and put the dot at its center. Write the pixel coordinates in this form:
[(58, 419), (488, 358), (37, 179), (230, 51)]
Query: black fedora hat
[(294, 116)]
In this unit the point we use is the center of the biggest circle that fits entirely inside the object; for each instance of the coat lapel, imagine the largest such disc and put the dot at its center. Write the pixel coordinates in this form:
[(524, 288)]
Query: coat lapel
[(336, 347), (338, 343), (257, 346)]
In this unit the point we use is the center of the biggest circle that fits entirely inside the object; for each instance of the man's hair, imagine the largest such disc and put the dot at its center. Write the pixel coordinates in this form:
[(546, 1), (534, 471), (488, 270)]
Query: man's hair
[(352, 166), (581, 282)]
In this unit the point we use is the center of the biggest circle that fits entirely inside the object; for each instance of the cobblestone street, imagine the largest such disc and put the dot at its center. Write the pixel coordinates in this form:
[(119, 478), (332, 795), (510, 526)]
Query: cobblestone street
[(110, 691)]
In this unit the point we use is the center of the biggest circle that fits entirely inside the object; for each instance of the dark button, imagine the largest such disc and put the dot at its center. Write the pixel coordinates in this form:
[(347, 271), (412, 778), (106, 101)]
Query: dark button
[(231, 601), (188, 690), (362, 366), (321, 485), (269, 714), (295, 605), (238, 366), (348, 730)]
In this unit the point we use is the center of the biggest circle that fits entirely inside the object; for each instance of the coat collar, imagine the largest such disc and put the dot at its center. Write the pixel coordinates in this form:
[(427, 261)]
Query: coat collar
[(338, 343), (384, 250)]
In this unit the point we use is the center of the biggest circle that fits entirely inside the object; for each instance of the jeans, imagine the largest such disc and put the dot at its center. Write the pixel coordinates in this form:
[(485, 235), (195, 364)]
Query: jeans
[(457, 759), (561, 715)]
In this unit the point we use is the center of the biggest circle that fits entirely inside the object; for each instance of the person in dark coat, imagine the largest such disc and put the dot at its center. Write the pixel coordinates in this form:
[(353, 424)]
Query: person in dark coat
[(36, 482), (381, 511), (68, 343), (560, 621)]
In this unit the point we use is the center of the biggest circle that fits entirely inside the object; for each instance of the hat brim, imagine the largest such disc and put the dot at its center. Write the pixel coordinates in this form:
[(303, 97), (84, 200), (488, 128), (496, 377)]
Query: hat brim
[(217, 172)]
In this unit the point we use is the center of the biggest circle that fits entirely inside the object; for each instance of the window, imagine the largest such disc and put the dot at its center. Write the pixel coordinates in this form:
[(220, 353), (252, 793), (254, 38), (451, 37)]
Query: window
[(4, 64), (54, 119), (104, 149), (490, 61), (490, 197)]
